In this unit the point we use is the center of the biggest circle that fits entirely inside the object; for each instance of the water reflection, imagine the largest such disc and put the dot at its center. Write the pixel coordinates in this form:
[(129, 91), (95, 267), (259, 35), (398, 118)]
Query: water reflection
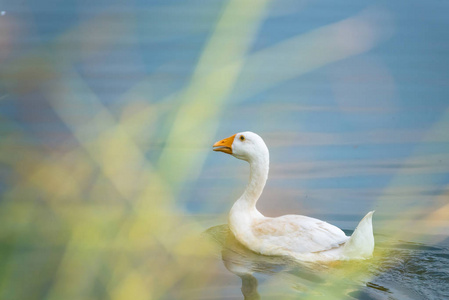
[(243, 262), (246, 264), (395, 272)]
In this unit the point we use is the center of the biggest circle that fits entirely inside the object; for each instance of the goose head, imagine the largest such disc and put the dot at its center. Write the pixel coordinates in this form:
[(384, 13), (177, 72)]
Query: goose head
[(246, 145)]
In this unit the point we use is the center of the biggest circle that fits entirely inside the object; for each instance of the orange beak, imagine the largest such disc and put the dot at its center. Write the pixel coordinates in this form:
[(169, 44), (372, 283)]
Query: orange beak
[(225, 145)]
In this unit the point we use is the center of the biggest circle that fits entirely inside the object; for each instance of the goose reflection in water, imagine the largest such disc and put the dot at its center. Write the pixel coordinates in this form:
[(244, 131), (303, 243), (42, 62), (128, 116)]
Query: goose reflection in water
[(399, 270), (244, 263)]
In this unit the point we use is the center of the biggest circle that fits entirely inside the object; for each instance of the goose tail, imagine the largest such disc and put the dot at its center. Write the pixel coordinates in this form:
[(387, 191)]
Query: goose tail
[(361, 243)]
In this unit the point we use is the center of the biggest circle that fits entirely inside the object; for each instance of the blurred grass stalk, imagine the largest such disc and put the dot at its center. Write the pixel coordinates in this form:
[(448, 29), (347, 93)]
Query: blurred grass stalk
[(422, 215), (97, 219)]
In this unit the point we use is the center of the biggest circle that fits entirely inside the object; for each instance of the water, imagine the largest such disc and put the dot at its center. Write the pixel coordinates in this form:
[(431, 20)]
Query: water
[(108, 112), (398, 270)]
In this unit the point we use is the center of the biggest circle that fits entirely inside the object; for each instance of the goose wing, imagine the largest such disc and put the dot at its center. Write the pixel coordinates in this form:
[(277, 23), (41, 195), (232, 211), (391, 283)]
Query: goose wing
[(299, 234)]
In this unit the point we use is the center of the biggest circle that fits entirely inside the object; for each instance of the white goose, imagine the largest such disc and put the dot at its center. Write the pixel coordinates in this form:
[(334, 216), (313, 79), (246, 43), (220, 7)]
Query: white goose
[(301, 237)]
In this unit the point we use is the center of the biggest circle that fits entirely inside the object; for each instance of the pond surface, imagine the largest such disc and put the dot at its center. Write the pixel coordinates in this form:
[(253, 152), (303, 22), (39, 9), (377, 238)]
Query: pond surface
[(398, 270), (109, 110)]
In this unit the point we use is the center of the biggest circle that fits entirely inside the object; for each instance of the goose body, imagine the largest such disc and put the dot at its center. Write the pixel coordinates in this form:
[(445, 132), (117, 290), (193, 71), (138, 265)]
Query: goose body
[(301, 237)]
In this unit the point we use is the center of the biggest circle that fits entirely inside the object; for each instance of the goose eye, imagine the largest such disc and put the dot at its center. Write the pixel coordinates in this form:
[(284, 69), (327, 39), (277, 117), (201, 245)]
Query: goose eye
[(242, 138)]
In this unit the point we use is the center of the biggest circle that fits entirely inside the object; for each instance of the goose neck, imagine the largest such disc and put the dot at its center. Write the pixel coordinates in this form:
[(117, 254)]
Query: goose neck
[(258, 177)]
